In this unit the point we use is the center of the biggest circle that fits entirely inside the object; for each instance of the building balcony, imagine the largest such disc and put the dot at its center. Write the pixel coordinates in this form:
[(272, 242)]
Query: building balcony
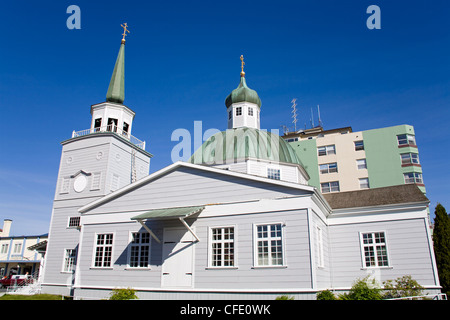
[(111, 129)]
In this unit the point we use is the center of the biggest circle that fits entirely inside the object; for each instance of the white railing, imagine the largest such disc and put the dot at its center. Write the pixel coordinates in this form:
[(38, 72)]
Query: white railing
[(438, 296), (113, 129)]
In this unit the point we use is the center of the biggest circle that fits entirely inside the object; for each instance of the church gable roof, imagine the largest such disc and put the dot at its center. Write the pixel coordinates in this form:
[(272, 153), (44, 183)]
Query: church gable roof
[(184, 184), (402, 194)]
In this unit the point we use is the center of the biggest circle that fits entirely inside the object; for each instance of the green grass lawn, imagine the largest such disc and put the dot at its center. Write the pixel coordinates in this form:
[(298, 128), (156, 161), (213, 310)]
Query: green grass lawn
[(34, 297)]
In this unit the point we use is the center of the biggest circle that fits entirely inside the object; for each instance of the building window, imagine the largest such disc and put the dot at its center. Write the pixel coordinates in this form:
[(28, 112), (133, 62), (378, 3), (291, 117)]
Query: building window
[(374, 249), (413, 177), (4, 248), (115, 182), (69, 260), (328, 168), (65, 183), (112, 125), (139, 250), (409, 158), (17, 248), (103, 250), (319, 248), (95, 185), (327, 150), (269, 245), (406, 140), (74, 222), (330, 187), (364, 183), (222, 247), (250, 112), (239, 111), (230, 114), (361, 163), (97, 124), (125, 129), (359, 145), (273, 173)]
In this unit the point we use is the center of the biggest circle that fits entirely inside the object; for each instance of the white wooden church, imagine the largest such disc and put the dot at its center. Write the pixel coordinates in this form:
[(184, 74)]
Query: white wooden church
[(237, 221)]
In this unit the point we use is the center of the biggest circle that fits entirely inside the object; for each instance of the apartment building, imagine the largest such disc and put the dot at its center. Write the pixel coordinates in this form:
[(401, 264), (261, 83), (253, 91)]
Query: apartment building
[(340, 160)]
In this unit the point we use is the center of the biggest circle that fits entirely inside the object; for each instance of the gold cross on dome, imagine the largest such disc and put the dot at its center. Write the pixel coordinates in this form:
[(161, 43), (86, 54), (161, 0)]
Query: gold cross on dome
[(125, 30), (242, 66)]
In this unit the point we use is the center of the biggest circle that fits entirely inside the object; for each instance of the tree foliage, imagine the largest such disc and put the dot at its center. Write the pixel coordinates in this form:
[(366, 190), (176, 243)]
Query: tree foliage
[(441, 242), (123, 294), (404, 286)]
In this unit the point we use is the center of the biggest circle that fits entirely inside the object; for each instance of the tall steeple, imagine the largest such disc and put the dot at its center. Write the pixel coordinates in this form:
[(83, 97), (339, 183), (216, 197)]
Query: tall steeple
[(116, 90)]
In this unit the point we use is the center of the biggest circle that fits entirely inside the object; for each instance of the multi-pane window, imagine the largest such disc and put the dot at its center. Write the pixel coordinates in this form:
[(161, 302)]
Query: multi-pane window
[(65, 183), (327, 150), (103, 250), (374, 249), (328, 168), (359, 145), (406, 139), (364, 183), (96, 181), (139, 250), (273, 173), (361, 163), (330, 187), (410, 158), (222, 247), (17, 248), (4, 248), (74, 222), (413, 177), (269, 245), (230, 115), (69, 260), (250, 112), (239, 111)]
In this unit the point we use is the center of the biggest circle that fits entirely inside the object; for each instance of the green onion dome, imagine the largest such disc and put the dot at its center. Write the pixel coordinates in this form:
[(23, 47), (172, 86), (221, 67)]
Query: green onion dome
[(243, 94)]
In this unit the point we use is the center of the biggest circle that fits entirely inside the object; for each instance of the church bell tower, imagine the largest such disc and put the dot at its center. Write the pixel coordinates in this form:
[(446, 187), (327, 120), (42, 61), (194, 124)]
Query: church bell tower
[(94, 163)]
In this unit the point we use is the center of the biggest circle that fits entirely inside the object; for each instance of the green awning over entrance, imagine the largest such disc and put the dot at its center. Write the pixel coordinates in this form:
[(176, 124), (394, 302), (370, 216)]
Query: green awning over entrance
[(170, 213)]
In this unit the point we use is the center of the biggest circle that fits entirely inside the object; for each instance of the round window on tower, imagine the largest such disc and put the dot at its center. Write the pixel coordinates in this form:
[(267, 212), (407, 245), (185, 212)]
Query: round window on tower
[(80, 183)]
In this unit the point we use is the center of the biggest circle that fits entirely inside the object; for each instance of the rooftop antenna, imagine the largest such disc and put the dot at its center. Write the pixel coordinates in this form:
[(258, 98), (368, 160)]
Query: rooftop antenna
[(294, 116), (312, 119), (320, 121)]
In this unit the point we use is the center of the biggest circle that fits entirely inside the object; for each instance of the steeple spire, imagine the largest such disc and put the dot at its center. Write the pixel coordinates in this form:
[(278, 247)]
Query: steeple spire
[(242, 66), (116, 90)]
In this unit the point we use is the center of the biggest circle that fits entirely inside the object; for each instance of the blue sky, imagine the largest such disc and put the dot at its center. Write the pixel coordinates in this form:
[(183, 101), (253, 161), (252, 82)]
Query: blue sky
[(182, 60)]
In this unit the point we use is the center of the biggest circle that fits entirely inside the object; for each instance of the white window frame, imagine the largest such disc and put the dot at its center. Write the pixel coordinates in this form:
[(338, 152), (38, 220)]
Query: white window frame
[(72, 220), (416, 177), (96, 186), (325, 168), (65, 185), (409, 138), (95, 246), (359, 145), (222, 242), (273, 175), (70, 256), (4, 249), (281, 238), (362, 183), (17, 248), (329, 186), (361, 164), (320, 256), (329, 150), (374, 245), (412, 158), (139, 246), (250, 111), (238, 111)]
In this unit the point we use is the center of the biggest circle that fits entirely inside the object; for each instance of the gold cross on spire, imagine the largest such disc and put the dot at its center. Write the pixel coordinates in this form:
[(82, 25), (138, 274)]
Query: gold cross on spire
[(125, 30), (242, 66)]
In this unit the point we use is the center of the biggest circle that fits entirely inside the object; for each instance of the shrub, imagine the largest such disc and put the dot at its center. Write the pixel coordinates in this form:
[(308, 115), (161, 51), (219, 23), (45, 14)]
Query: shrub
[(123, 294), (284, 297), (404, 286), (326, 295), (363, 289)]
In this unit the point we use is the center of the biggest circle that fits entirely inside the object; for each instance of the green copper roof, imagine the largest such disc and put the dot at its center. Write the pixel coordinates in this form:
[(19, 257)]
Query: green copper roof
[(232, 144), (243, 94), (116, 90)]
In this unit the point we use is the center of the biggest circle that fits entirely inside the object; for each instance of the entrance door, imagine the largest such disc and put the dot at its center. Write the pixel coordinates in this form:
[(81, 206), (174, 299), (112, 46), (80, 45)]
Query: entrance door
[(178, 250)]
